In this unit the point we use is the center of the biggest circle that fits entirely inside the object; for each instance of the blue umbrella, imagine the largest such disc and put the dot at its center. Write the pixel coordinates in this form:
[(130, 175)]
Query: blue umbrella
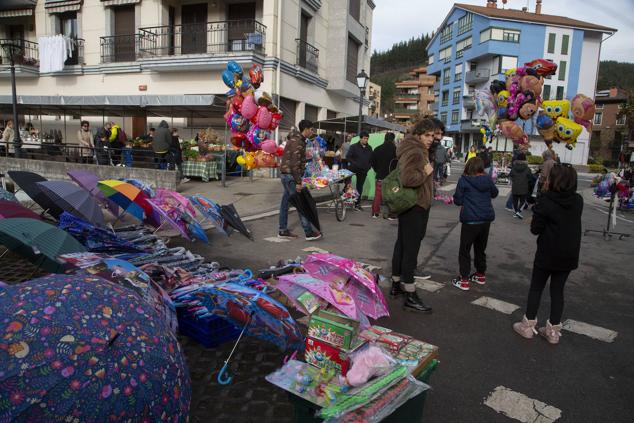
[(93, 238), (8, 196), (82, 347), (211, 212)]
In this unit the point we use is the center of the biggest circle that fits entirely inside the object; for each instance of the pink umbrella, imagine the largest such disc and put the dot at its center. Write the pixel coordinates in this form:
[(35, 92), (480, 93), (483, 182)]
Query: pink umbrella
[(360, 283), (167, 213), (332, 292), (163, 193)]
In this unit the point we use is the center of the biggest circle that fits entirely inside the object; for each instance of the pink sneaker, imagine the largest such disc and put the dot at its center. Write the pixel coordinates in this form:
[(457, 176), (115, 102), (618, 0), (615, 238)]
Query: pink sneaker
[(526, 328), (552, 333)]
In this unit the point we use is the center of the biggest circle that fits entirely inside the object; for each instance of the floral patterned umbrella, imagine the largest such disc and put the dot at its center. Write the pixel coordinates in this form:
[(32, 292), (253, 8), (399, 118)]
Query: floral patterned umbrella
[(83, 348)]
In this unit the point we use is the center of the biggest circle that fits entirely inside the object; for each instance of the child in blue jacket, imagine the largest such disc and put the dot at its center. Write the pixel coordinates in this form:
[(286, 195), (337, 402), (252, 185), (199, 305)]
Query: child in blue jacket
[(474, 192)]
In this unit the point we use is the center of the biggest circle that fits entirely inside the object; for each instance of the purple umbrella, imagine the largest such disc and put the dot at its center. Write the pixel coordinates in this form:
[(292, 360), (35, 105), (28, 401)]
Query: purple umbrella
[(173, 221), (88, 181)]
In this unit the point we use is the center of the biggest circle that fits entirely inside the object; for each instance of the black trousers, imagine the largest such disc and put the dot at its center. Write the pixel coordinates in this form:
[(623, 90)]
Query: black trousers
[(476, 236), (412, 226), (538, 283), (518, 202), (360, 182)]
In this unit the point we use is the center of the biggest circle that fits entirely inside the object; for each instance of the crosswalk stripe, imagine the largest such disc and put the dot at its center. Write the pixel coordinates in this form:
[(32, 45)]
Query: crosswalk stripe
[(429, 285), (503, 192), (520, 407), (276, 240), (315, 250), (497, 305), (592, 331)]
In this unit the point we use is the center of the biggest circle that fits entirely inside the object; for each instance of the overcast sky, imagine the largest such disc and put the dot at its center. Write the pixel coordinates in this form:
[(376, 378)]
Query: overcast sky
[(397, 20)]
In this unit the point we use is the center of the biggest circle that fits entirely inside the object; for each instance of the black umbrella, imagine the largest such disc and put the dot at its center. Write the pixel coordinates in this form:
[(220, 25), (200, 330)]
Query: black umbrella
[(306, 206), (27, 181), (74, 200), (232, 218)]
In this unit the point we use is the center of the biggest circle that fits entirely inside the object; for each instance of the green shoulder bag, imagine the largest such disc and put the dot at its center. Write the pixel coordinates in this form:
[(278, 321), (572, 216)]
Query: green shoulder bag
[(398, 198)]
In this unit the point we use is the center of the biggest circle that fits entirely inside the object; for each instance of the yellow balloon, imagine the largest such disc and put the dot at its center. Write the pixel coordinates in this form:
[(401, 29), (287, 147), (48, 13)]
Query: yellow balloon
[(250, 161), (241, 161)]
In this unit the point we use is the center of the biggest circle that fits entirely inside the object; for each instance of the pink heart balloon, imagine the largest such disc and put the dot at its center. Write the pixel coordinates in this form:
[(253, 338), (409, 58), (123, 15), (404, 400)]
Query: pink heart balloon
[(264, 118), (269, 146), (249, 107)]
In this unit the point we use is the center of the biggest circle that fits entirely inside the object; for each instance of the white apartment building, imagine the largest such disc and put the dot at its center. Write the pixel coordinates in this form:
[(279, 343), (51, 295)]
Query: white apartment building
[(310, 50)]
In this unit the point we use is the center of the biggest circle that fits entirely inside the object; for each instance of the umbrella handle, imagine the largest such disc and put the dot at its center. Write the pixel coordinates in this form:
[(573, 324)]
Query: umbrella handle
[(223, 377)]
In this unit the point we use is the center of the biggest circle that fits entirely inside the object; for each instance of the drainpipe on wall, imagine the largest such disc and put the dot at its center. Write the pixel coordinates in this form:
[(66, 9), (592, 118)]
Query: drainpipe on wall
[(278, 75)]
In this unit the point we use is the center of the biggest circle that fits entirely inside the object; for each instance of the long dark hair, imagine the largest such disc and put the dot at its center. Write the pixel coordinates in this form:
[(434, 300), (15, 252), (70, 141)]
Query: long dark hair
[(474, 166), (562, 178)]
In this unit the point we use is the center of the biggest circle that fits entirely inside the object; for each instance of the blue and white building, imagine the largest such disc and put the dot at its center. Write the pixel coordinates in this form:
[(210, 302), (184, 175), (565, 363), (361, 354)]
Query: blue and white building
[(477, 44)]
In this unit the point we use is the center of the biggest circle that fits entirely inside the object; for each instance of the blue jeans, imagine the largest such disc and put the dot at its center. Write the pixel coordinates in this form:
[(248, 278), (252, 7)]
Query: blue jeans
[(289, 188)]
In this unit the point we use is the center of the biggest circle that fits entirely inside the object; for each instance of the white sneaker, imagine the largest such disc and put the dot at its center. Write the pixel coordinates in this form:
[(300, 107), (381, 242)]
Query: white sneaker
[(185, 180)]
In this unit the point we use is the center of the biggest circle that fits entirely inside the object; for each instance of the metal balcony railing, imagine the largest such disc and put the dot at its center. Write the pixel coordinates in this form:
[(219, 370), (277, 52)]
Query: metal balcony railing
[(27, 56), (307, 56), (405, 110), (203, 38), (120, 48), (477, 76), (407, 97), (468, 101)]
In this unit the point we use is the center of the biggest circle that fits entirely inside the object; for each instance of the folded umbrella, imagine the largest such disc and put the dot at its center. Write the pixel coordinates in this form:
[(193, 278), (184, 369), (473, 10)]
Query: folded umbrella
[(27, 181), (131, 199), (88, 181), (79, 347), (74, 200), (360, 283), (10, 209), (306, 206), (231, 216), (8, 196), (37, 241)]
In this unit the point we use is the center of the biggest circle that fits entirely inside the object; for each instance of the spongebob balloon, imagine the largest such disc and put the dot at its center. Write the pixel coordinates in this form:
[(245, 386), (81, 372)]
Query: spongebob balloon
[(568, 131), (556, 108)]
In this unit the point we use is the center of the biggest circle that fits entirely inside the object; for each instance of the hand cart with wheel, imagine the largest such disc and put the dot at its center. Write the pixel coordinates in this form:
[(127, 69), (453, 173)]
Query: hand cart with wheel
[(337, 203)]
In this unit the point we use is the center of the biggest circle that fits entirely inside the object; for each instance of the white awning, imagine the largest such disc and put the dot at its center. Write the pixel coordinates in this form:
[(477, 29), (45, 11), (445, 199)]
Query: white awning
[(119, 2), (61, 6), (15, 13)]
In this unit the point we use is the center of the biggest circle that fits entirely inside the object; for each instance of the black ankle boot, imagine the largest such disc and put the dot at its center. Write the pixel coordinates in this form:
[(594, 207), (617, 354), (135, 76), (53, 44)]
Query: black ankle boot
[(414, 303), (396, 290)]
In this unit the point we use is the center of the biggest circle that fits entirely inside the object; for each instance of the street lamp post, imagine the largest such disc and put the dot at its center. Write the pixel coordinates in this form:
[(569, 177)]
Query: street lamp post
[(362, 83), (13, 50)]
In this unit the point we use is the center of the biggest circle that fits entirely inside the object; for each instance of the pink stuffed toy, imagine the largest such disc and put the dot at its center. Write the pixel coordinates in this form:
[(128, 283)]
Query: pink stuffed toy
[(367, 363)]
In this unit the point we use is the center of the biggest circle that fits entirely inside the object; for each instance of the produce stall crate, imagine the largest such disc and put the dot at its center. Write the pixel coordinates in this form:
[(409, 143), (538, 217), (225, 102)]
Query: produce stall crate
[(412, 411)]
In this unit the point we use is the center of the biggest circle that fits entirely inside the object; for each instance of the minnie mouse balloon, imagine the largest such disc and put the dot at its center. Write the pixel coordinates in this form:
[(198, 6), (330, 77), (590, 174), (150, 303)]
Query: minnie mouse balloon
[(264, 118), (269, 146), (256, 135), (249, 107), (239, 123), (234, 67)]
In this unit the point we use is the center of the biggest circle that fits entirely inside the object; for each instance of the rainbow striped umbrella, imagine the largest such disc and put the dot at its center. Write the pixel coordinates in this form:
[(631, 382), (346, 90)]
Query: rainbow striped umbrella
[(131, 199)]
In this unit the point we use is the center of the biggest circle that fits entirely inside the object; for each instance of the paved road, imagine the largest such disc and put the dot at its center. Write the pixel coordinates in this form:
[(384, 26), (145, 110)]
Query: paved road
[(487, 373)]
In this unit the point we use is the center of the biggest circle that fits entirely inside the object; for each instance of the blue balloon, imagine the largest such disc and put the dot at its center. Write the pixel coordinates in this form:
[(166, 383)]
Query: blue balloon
[(234, 67), (228, 79)]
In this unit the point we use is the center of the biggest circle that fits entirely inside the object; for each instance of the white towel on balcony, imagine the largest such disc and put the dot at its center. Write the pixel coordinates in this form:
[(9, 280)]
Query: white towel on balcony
[(53, 51)]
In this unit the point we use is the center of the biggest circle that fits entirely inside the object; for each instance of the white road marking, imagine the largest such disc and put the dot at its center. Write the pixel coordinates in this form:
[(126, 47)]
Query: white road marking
[(520, 407), (315, 250), (503, 191), (594, 332), (447, 188), (617, 216), (276, 240), (428, 285), (497, 305)]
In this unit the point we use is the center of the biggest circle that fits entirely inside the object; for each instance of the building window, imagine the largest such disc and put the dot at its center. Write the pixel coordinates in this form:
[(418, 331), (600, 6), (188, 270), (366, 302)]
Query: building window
[(598, 106), (562, 70), (463, 45), (445, 54), (446, 34), (455, 116), (598, 117), (445, 98), (503, 63), (443, 117), (560, 93), (456, 96), (620, 120), (446, 76), (458, 73), (500, 34), (353, 60), (430, 61), (546, 92), (564, 44), (551, 43), (465, 24), (355, 9)]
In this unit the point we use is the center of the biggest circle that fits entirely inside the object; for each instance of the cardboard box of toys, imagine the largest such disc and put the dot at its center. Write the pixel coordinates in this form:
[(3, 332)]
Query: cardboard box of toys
[(335, 329), (323, 355)]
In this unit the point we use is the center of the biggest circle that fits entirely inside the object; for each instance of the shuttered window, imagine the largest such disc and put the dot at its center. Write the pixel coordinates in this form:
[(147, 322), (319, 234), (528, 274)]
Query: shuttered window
[(353, 61)]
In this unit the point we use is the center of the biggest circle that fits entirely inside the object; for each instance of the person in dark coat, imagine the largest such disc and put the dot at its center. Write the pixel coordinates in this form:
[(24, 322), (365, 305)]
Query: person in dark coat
[(474, 193), (358, 158), (100, 142), (383, 161), (557, 224), (161, 144), (521, 178)]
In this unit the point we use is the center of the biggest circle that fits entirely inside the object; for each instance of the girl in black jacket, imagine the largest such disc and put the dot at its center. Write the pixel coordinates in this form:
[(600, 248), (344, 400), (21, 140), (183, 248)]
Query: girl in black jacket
[(557, 223)]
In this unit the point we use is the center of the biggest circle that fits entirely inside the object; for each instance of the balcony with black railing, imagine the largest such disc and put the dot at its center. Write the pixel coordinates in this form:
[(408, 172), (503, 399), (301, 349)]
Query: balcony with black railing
[(222, 37), (307, 56), (121, 48), (27, 53)]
